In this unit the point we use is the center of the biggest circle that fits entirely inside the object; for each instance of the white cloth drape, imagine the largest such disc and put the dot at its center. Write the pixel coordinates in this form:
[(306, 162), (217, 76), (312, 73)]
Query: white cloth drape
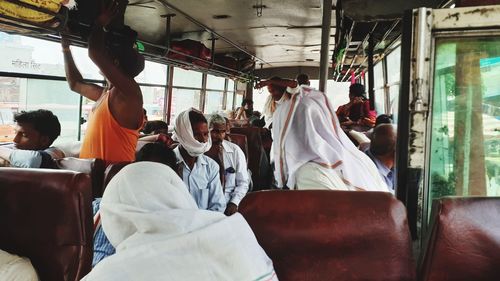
[(305, 129), (183, 133), (15, 268), (160, 234)]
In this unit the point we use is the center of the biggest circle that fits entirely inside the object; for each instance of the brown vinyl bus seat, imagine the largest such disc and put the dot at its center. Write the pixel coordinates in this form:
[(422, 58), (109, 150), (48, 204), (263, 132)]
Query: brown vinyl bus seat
[(46, 215), (319, 235), (464, 240), (111, 171), (241, 141), (93, 167), (258, 163)]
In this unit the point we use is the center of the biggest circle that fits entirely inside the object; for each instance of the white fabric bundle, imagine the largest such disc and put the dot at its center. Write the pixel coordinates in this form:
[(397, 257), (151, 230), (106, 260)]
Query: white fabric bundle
[(160, 234), (305, 129), (183, 133), (15, 268)]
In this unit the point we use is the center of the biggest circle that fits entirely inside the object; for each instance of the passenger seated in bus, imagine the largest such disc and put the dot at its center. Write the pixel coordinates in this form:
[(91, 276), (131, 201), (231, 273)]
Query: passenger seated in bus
[(245, 111), (382, 151), (152, 152), (155, 127), (235, 165), (257, 120), (356, 114), (303, 79), (199, 172), (144, 119), (35, 132), (311, 151), (159, 233), (16, 268), (280, 90), (117, 116)]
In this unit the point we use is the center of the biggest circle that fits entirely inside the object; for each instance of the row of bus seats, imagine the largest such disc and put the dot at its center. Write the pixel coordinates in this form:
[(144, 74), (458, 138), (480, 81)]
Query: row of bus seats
[(310, 235)]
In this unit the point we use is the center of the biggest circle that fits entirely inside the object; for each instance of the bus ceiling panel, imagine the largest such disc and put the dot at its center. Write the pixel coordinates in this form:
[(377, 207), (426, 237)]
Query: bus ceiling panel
[(376, 10)]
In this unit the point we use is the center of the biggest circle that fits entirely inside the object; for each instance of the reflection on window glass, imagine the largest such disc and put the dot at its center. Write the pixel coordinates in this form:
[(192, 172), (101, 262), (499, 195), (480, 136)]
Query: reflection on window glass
[(230, 85), (239, 99), (182, 100), (465, 147), (215, 82), (213, 102), (187, 78), (379, 101), (22, 54), (18, 94), (394, 65), (394, 102), (378, 76), (229, 100), (153, 99), (153, 73)]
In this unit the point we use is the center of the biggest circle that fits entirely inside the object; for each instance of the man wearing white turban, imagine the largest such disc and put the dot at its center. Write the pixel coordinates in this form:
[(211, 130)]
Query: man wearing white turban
[(160, 234), (311, 151), (199, 172)]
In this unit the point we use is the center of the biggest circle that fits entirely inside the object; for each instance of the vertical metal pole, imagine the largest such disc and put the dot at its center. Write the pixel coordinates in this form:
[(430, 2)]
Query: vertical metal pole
[(80, 118), (371, 80), (325, 44), (203, 92), (213, 49), (167, 104), (224, 97)]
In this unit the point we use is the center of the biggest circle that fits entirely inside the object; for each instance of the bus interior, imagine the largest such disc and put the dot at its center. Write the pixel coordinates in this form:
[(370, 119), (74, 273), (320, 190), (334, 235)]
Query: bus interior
[(432, 65)]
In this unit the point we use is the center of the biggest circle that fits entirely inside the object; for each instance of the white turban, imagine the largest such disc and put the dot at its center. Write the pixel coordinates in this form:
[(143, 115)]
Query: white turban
[(183, 133)]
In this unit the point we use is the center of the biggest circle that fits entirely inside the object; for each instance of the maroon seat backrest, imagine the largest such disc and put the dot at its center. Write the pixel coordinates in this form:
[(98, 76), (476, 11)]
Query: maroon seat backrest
[(111, 171), (241, 141), (463, 241), (46, 215), (332, 235), (258, 163), (93, 167)]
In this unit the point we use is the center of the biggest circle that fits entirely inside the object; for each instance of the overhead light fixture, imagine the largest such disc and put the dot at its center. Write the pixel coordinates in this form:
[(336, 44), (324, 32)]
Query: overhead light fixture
[(258, 7), (220, 17)]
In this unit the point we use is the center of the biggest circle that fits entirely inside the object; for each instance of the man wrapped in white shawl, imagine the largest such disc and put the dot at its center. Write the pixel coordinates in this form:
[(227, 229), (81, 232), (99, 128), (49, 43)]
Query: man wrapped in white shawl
[(311, 151), (160, 234)]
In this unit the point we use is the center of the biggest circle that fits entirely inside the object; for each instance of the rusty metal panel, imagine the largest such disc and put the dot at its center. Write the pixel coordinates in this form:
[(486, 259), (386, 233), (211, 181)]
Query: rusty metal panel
[(466, 18)]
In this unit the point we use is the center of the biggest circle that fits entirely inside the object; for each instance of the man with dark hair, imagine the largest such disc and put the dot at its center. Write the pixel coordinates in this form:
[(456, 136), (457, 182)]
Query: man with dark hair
[(35, 132), (245, 111), (118, 114), (157, 152), (382, 152), (199, 172), (356, 113), (303, 79)]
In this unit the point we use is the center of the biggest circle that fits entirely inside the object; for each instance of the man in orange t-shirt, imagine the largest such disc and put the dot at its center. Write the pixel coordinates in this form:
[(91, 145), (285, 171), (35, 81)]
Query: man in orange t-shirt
[(117, 117)]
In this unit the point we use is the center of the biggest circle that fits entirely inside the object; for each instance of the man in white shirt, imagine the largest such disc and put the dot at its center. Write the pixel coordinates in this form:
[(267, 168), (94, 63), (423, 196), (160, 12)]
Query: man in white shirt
[(236, 178), (35, 132)]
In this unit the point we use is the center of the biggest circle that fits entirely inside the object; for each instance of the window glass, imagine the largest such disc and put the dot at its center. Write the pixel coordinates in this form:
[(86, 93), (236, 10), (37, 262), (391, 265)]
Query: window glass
[(239, 99), (378, 75), (465, 140), (229, 101), (213, 102), (230, 85), (379, 101), (21, 54), (153, 100), (215, 82), (187, 78), (153, 73), (183, 99), (18, 94), (394, 66), (394, 102)]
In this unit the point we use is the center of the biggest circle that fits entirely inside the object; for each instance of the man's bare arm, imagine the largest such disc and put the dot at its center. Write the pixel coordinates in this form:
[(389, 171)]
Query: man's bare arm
[(74, 77)]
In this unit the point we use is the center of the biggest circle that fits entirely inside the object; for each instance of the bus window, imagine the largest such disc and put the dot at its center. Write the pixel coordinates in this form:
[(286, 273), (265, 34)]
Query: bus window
[(465, 146), (393, 61), (213, 102), (183, 99), (378, 85)]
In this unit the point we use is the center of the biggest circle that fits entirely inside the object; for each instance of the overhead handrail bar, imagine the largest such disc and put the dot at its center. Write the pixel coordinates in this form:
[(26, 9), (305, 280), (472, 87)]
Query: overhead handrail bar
[(213, 32)]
